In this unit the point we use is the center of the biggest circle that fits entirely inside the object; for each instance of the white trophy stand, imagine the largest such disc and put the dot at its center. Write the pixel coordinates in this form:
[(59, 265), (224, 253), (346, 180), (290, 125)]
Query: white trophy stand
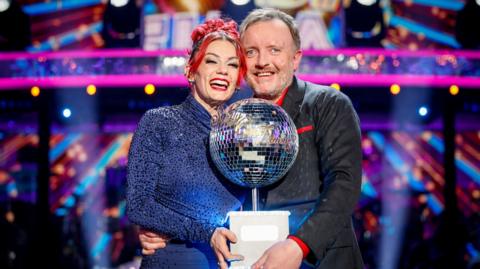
[(256, 231)]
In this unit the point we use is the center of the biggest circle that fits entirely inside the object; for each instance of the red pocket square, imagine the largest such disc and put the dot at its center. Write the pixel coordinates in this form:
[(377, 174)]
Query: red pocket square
[(304, 129)]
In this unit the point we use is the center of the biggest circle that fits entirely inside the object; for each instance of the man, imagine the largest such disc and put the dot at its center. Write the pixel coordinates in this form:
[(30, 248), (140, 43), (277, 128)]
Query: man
[(323, 186)]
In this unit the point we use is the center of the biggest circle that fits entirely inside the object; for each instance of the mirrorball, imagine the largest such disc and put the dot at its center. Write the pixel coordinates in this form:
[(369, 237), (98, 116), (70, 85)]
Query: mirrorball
[(253, 142)]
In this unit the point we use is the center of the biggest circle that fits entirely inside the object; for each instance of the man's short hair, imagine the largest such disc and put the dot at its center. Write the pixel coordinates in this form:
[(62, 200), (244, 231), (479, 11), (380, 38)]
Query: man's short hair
[(268, 14)]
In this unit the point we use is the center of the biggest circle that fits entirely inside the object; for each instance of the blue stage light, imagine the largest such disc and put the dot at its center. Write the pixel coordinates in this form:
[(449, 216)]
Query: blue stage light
[(475, 107), (50, 7), (67, 113), (423, 111)]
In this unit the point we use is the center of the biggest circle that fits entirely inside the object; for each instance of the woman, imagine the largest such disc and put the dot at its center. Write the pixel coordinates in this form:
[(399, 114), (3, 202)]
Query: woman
[(173, 187)]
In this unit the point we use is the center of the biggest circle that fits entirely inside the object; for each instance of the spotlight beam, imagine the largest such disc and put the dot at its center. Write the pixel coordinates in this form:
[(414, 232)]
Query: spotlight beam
[(444, 4), (428, 32), (46, 8), (67, 38)]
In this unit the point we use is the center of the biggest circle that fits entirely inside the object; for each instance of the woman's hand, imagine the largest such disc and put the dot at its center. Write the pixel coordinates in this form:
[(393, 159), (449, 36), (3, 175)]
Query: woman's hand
[(219, 243), (151, 241)]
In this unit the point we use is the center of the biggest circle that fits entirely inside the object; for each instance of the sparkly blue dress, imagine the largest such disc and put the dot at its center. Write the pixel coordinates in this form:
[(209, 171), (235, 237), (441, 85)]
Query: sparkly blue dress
[(174, 188)]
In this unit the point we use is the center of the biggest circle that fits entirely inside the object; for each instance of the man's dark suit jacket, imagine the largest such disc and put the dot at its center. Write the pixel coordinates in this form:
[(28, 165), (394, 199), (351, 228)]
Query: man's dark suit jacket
[(323, 185)]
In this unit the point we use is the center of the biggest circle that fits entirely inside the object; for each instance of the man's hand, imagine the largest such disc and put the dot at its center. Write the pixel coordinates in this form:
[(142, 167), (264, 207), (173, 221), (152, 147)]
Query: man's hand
[(285, 254), (151, 241), (218, 242)]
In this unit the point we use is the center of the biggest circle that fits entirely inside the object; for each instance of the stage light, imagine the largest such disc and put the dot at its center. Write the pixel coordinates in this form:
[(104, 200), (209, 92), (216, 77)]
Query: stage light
[(149, 89), (240, 2), (66, 113), (423, 111), (4, 5), (422, 199), (10, 216), (474, 107), (395, 89), (478, 2), (71, 172), (476, 194), (91, 89), (35, 91), (117, 31), (118, 3), (367, 2), (82, 157), (364, 23), (454, 88), (336, 86)]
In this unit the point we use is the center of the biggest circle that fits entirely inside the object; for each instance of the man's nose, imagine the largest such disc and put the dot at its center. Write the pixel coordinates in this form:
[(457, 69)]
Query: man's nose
[(262, 60)]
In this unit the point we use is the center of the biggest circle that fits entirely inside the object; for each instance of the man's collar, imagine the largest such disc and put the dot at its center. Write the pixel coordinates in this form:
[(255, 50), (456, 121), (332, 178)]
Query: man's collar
[(282, 97), (293, 99)]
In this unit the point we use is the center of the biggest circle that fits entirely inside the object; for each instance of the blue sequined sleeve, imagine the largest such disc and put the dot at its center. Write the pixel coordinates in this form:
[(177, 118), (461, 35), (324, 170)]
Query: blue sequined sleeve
[(145, 163)]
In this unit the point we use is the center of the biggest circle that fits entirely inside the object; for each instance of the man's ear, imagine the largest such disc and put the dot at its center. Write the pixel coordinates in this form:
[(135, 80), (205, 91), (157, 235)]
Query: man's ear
[(297, 57)]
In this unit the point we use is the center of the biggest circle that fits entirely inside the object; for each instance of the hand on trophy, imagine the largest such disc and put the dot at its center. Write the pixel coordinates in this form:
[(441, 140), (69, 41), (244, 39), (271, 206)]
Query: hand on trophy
[(285, 254), (218, 242), (151, 241)]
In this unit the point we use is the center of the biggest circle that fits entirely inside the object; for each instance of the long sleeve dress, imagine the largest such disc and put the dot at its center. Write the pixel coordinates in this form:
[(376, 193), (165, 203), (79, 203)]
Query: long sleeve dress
[(173, 187)]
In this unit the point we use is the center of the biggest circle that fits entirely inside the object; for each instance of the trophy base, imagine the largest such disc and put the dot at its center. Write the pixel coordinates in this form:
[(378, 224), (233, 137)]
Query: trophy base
[(256, 231)]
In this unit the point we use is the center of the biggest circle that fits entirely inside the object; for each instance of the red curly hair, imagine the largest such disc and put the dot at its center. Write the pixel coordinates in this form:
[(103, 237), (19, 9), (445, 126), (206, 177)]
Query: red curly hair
[(211, 30)]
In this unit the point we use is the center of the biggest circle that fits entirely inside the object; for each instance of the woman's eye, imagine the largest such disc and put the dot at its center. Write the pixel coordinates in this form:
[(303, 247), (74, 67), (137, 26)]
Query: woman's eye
[(209, 61), (234, 65)]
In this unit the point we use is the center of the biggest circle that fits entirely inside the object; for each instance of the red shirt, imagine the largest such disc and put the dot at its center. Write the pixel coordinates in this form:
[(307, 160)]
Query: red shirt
[(282, 97)]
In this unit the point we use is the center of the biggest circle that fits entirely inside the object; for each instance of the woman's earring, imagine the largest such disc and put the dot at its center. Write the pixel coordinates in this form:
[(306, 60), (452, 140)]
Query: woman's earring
[(191, 80)]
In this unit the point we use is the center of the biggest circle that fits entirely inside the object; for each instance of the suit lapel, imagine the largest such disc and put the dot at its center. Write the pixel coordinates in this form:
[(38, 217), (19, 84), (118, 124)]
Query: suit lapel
[(294, 98)]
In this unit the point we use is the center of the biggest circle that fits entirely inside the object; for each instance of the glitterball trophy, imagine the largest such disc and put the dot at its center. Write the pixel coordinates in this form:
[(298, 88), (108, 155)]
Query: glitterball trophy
[(253, 143)]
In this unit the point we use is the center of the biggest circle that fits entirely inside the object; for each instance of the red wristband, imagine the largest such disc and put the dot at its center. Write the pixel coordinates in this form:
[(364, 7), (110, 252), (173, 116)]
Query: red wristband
[(301, 244)]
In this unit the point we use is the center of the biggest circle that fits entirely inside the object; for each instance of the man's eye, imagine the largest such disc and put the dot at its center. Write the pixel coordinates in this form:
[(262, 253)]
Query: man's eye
[(251, 53), (274, 50)]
